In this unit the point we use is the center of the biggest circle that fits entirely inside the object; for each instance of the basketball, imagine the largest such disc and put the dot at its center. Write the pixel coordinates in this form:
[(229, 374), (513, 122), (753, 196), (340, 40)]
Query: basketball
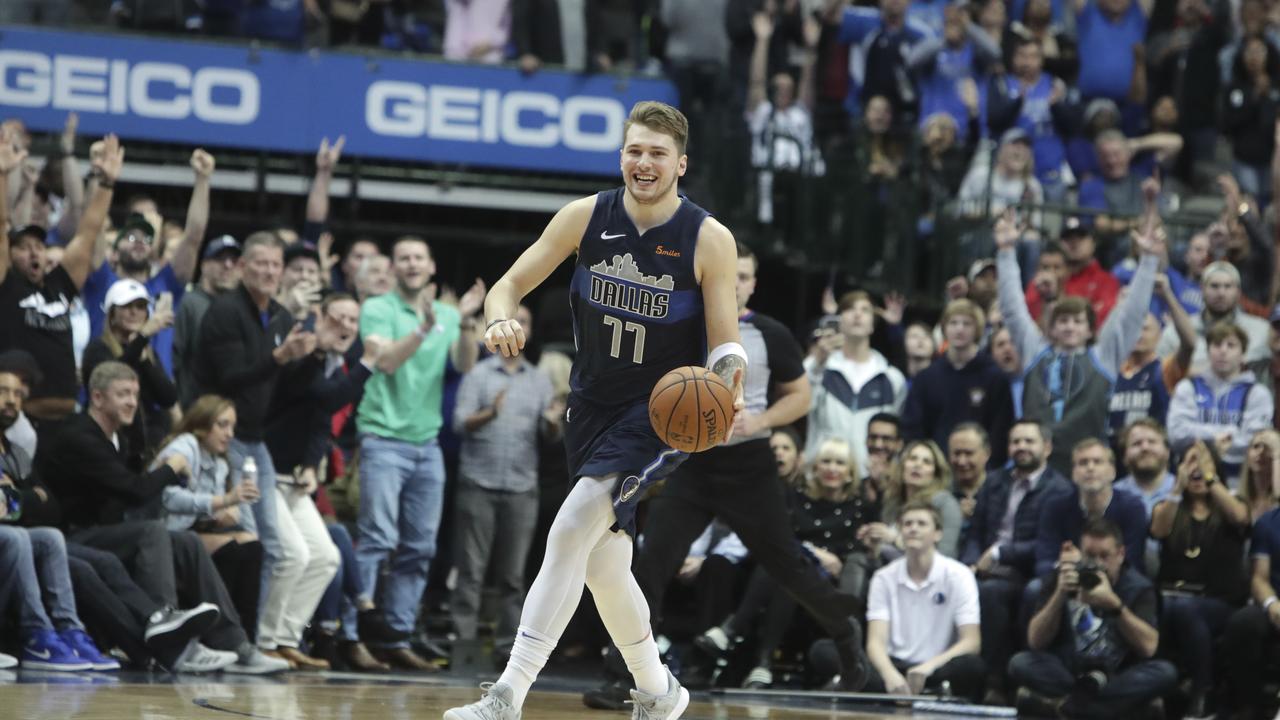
[(691, 409)]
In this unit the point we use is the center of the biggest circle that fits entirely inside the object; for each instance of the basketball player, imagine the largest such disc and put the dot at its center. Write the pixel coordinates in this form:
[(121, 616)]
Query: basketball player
[(739, 484), (652, 290)]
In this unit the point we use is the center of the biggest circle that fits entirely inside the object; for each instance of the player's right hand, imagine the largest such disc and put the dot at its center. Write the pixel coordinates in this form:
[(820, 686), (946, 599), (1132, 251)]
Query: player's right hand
[(506, 337)]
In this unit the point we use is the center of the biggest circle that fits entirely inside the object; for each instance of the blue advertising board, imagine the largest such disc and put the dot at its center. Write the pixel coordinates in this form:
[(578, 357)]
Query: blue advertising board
[(203, 93)]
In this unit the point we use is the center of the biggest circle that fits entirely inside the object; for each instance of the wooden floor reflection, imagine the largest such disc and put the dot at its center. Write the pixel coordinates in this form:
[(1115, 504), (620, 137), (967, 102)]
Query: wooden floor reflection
[(29, 696)]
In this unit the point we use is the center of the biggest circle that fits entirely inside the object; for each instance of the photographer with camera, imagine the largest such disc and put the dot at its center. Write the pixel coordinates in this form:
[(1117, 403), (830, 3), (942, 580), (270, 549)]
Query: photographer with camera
[(1093, 637), (1203, 527)]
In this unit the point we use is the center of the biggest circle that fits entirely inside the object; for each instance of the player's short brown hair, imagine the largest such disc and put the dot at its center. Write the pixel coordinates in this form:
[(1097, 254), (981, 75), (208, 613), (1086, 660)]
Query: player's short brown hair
[(660, 117), (1223, 330)]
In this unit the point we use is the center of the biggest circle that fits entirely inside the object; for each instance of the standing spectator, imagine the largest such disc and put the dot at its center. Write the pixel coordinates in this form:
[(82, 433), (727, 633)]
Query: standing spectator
[(1069, 381), (557, 32), (922, 615), (477, 30), (131, 325), (1033, 100), (138, 257), (1184, 69), (401, 468), (344, 276), (1011, 182), (964, 385), (35, 300), (1146, 456), (1041, 21), (851, 382), (245, 340), (219, 273), (1006, 356), (1202, 529), (373, 278), (948, 67), (1108, 31), (918, 345), (87, 465), (881, 38), (1000, 546), (884, 443), (300, 284), (1091, 643), (1250, 113), (209, 505), (504, 405), (1221, 287), (1224, 406)]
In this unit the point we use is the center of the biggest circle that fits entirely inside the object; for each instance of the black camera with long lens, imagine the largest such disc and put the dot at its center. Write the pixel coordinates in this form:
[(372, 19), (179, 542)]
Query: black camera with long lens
[(1090, 574)]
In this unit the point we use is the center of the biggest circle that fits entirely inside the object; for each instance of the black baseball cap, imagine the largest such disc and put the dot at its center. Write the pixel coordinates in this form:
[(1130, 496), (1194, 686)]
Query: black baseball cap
[(1076, 226), (136, 221), (32, 231), (219, 245), (301, 250)]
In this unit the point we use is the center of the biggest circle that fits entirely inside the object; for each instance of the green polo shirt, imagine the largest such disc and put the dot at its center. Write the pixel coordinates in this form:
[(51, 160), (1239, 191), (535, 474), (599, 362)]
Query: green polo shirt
[(406, 405)]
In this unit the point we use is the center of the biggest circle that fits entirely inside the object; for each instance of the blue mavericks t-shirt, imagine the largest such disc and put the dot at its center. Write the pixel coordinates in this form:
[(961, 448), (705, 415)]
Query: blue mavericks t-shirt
[(1108, 47), (165, 281), (940, 89), (1036, 119)]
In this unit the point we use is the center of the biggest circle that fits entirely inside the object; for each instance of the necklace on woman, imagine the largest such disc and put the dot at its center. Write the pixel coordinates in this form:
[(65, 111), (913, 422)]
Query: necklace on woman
[(1193, 546)]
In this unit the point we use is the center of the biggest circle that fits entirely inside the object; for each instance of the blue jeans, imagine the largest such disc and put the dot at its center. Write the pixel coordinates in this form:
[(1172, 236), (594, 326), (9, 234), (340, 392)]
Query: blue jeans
[(337, 608), (262, 521), (401, 498), (1191, 624), (34, 560)]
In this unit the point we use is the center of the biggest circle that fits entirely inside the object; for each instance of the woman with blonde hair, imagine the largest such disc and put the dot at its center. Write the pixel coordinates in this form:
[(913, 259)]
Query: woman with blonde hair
[(827, 510), (212, 509), (1260, 473), (920, 473)]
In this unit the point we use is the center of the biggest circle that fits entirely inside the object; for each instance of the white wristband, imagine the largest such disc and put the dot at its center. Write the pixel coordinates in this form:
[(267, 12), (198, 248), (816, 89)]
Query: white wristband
[(725, 349)]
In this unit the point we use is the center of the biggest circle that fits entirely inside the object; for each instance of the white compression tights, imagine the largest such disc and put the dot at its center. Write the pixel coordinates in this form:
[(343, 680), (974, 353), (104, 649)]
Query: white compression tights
[(582, 551)]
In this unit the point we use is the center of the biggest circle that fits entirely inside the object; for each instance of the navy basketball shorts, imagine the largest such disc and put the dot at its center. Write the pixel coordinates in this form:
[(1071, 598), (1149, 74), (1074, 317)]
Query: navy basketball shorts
[(603, 440)]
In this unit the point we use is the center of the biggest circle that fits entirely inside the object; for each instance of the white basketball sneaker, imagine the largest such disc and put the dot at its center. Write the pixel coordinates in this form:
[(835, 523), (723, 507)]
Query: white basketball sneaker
[(660, 707), (495, 705)]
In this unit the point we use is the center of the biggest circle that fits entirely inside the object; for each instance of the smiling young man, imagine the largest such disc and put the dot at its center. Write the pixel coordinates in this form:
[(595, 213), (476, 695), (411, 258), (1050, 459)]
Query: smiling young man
[(638, 314)]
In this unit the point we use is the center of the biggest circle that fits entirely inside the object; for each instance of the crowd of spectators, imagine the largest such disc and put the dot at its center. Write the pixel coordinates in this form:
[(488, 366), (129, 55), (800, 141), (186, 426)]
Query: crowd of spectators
[(1061, 492)]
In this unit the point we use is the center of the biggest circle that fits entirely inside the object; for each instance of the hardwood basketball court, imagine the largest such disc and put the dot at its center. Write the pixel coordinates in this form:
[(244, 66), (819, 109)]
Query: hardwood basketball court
[(339, 696)]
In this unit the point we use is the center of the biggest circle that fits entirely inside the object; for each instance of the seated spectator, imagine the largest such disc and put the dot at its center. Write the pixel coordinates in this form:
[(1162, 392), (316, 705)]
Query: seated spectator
[(219, 273), (964, 385), (131, 325), (968, 450), (922, 473), (1117, 193), (1068, 381), (209, 505), (1093, 472), (1013, 181), (88, 470), (29, 281), (1001, 543), (477, 31), (1184, 70), (1224, 406), (1220, 283), (948, 66), (1259, 486), (1006, 356), (1203, 529), (922, 615), (504, 406), (785, 443), (851, 381), (883, 444), (1145, 448), (1253, 632), (1033, 100), (717, 566), (1092, 640), (139, 257), (1250, 113), (828, 513)]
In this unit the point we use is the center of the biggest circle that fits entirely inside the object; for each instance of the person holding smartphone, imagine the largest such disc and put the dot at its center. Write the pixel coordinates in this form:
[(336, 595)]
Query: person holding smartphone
[(131, 323)]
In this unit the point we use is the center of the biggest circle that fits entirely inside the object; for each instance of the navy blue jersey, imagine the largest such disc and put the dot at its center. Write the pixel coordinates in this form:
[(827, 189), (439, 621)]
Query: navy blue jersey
[(636, 302)]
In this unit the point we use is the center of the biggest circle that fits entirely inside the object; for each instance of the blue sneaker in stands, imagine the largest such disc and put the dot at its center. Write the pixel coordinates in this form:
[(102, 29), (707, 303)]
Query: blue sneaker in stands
[(80, 643), (44, 650)]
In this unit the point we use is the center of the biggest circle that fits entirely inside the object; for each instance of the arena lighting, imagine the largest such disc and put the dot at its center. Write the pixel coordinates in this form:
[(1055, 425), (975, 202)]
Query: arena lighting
[(96, 84)]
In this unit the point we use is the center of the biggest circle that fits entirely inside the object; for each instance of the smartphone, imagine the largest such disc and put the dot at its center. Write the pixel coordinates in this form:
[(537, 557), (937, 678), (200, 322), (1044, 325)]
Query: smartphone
[(309, 324), (829, 322)]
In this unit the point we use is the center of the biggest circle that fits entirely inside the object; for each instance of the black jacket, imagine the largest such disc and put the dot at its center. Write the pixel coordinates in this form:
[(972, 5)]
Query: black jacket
[(943, 396), (535, 30), (298, 423), (156, 391), (989, 509), (235, 358), (92, 479)]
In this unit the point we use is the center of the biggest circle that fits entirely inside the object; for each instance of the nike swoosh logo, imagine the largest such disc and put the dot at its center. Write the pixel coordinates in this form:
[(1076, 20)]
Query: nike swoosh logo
[(42, 655), (604, 235)]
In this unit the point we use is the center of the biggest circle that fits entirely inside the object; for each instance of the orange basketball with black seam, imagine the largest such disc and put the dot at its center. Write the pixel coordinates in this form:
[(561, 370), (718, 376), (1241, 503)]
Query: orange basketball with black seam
[(691, 409)]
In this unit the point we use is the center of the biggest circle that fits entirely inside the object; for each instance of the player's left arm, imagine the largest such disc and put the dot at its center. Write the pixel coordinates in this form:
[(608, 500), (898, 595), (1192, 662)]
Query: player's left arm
[(716, 264)]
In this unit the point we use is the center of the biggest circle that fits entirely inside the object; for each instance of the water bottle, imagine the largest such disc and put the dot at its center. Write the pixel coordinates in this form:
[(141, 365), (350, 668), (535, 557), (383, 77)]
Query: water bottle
[(249, 471)]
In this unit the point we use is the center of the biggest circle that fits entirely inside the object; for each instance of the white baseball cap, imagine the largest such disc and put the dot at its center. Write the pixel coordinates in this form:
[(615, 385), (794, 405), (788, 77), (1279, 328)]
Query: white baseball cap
[(125, 292)]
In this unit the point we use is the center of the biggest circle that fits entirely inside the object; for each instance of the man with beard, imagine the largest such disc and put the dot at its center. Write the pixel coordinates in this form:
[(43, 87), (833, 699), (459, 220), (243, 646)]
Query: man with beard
[(884, 442), (219, 272), (1221, 287), (1000, 546), (1145, 447), (135, 258)]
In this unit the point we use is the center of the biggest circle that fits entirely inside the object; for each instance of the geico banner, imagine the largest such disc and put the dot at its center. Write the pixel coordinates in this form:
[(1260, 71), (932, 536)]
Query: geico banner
[(233, 95)]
